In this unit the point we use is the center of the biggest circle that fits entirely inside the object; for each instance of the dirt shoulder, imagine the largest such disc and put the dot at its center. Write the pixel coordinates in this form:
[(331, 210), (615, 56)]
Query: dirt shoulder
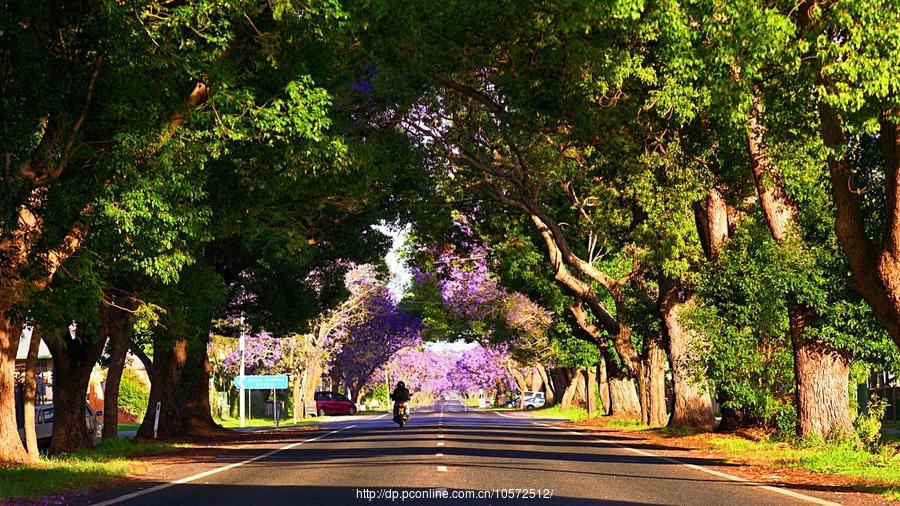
[(180, 459), (743, 454)]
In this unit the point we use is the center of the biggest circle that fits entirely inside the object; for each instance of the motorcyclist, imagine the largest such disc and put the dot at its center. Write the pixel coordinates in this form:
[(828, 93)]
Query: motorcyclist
[(400, 394)]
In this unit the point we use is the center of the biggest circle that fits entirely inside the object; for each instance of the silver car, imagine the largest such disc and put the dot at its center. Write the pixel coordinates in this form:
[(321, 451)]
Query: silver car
[(43, 422)]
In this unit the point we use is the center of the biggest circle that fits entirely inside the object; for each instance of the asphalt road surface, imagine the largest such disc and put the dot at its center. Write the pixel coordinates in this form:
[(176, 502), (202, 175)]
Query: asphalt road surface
[(446, 455)]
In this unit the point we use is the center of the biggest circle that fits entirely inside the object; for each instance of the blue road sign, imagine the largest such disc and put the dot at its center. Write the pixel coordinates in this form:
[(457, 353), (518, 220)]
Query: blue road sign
[(262, 382)]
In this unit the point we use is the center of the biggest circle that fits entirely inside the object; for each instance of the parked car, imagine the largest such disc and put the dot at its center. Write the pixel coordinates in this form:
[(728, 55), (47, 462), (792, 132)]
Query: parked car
[(333, 403), (43, 422), (532, 400)]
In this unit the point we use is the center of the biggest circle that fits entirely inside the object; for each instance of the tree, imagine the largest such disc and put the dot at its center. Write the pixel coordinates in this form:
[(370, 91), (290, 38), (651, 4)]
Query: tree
[(482, 370), (378, 331)]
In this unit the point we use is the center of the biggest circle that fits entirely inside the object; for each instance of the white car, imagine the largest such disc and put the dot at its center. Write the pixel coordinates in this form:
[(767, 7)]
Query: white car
[(532, 400), (43, 423)]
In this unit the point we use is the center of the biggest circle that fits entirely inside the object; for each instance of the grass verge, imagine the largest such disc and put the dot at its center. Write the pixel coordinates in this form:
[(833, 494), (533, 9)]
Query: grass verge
[(877, 472), (76, 472), (573, 414), (234, 423)]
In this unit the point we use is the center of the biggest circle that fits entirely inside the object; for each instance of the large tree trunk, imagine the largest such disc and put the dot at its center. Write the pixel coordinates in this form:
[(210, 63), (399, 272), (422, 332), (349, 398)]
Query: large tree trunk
[(603, 384), (11, 449), (813, 387), (29, 395), (580, 380), (823, 406), (652, 383), (693, 406), (181, 387), (875, 267), (297, 396), (73, 361), (311, 380), (169, 359), (590, 393), (195, 380), (520, 383), (711, 217), (549, 395), (623, 397), (572, 375), (120, 328), (537, 381), (118, 354), (138, 351), (353, 392)]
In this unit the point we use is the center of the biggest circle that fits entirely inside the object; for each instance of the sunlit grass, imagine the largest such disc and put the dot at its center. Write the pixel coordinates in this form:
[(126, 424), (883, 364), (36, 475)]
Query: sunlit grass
[(78, 471), (880, 471), (573, 414), (258, 423)]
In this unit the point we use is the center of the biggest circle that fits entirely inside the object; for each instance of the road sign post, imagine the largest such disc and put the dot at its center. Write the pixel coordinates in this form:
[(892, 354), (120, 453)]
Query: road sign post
[(263, 382), (275, 407), (241, 402)]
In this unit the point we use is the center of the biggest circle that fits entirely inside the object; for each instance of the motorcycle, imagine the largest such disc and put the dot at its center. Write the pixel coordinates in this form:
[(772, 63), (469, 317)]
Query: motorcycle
[(402, 415)]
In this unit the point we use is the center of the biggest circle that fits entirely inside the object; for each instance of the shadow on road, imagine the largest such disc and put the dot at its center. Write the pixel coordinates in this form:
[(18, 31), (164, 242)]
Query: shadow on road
[(294, 494)]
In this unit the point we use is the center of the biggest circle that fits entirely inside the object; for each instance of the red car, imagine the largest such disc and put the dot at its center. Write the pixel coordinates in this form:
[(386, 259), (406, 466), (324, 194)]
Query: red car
[(333, 403)]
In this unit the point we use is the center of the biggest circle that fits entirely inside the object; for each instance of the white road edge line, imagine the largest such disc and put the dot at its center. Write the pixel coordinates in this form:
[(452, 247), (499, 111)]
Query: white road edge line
[(211, 472), (720, 474)]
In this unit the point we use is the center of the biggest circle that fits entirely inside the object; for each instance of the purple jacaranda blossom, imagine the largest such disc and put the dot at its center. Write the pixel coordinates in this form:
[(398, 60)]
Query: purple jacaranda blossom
[(482, 370)]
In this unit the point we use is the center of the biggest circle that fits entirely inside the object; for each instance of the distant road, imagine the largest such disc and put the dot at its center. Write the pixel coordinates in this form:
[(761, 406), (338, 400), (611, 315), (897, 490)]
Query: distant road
[(447, 449)]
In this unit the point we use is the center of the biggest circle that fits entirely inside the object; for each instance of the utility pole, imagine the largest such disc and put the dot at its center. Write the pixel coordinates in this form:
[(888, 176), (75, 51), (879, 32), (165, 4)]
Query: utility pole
[(387, 391), (241, 403)]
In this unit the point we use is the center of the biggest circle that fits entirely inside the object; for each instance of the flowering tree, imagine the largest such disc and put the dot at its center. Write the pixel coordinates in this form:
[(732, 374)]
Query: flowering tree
[(472, 304), (425, 372), (262, 355), (482, 369), (371, 330), (380, 330)]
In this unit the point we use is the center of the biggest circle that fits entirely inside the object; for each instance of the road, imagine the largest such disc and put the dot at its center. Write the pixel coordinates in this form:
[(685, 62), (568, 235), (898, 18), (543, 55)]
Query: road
[(445, 450)]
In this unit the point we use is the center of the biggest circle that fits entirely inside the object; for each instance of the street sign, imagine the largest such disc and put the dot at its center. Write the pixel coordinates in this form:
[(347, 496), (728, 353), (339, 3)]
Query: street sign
[(261, 382)]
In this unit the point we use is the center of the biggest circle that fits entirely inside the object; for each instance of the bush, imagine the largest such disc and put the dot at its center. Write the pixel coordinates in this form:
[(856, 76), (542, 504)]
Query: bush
[(786, 422), (134, 394), (868, 424)]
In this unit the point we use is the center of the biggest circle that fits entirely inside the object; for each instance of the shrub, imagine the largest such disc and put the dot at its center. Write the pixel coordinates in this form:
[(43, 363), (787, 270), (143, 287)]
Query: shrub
[(868, 424), (785, 422), (134, 394)]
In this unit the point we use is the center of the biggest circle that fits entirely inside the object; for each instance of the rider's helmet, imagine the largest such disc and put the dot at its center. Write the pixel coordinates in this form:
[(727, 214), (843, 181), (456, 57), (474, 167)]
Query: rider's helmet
[(401, 384)]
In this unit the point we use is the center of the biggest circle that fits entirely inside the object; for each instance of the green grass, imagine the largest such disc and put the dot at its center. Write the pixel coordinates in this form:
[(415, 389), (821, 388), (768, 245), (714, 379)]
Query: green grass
[(78, 471), (470, 402), (880, 470), (129, 426), (234, 423), (574, 414)]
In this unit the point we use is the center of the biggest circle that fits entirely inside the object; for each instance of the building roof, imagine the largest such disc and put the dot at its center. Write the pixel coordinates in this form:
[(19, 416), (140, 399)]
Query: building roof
[(25, 340)]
